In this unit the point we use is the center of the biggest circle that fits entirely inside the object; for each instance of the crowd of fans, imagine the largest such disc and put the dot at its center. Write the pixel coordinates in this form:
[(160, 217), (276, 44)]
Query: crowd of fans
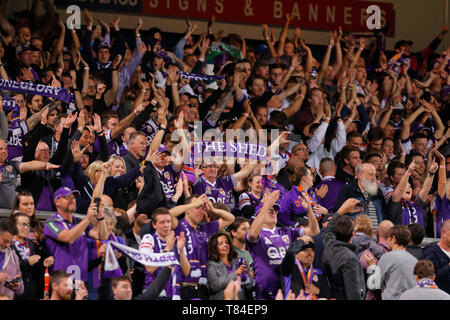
[(356, 174)]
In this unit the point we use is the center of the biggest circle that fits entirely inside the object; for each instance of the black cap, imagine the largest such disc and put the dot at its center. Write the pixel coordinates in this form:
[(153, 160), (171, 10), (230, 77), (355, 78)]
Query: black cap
[(403, 43), (299, 245)]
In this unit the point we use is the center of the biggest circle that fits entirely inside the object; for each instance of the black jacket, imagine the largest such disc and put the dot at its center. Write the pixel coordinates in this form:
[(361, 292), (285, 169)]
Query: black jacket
[(342, 266), (38, 179), (352, 190), (152, 195), (32, 276), (441, 263), (291, 278)]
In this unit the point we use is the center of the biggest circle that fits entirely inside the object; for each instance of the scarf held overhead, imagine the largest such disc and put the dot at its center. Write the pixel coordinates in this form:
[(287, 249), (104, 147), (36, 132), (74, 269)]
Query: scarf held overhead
[(39, 89)]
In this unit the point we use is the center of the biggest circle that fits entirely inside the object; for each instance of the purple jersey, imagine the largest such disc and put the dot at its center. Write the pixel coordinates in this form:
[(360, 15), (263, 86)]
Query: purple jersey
[(149, 129), (197, 248), (154, 244), (248, 199), (67, 256), (93, 246), (272, 186), (167, 178), (442, 212), (219, 191), (15, 140), (333, 191), (291, 206), (268, 252), (113, 147)]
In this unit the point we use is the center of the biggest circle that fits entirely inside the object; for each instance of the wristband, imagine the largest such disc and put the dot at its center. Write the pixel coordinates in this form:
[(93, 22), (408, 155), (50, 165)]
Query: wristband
[(431, 173), (75, 89), (291, 68), (302, 95), (162, 128), (86, 68), (245, 114), (361, 48), (327, 119), (98, 133), (100, 219), (330, 46), (2, 64), (73, 30), (138, 35), (174, 84), (135, 113), (442, 166)]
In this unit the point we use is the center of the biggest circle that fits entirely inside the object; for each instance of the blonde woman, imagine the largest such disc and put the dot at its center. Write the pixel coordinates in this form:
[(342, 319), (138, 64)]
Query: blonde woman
[(85, 181)]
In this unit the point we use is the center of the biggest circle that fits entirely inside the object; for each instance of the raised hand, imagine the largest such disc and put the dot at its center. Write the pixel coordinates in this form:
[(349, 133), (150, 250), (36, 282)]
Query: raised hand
[(322, 191), (170, 241), (181, 241), (76, 151), (349, 206), (97, 122), (116, 61), (70, 119)]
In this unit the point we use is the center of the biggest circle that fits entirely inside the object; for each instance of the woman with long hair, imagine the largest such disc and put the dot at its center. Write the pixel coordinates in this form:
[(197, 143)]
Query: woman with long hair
[(222, 265), (24, 203)]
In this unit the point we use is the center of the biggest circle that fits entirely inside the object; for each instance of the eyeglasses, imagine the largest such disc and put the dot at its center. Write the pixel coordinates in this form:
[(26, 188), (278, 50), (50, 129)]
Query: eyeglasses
[(43, 151), (25, 225)]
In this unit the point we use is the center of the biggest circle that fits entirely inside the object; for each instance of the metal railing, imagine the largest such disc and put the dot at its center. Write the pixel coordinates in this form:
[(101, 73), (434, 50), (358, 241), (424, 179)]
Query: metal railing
[(43, 215)]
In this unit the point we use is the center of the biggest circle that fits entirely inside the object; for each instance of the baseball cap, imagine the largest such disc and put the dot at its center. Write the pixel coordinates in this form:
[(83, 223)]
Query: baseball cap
[(163, 148), (260, 48), (300, 245), (22, 48), (64, 192), (103, 44), (258, 208)]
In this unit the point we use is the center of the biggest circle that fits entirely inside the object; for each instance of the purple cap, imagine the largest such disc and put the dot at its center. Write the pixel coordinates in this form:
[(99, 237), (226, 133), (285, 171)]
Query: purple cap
[(64, 192), (22, 48), (103, 44), (258, 208), (163, 148)]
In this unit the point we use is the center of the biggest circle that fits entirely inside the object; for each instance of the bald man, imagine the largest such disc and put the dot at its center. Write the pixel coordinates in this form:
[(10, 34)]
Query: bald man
[(329, 184), (365, 188), (285, 173), (439, 254)]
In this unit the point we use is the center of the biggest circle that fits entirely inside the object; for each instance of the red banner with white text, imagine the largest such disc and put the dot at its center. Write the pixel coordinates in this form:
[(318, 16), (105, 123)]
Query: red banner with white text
[(308, 14)]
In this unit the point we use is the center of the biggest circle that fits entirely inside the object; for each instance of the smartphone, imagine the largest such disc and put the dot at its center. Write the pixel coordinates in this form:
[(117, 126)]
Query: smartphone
[(97, 202), (294, 137), (13, 280)]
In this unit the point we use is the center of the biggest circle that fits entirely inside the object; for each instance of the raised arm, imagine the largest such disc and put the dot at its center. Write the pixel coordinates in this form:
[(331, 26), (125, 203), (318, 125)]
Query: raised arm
[(326, 59), (257, 224), (283, 34), (313, 225), (225, 218), (266, 35), (442, 178), (110, 97), (423, 193), (178, 210), (401, 187), (406, 128)]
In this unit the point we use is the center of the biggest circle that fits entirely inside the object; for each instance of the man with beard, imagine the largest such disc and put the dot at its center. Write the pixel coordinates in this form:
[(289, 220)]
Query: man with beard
[(62, 287), (66, 236), (365, 189)]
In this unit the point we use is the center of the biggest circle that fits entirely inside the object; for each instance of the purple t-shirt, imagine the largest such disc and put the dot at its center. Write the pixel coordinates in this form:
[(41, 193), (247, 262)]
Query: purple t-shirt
[(292, 205), (15, 139), (167, 178), (149, 129), (197, 248), (334, 186), (65, 254), (219, 191), (94, 274), (272, 186), (113, 147), (442, 212), (154, 244), (268, 252)]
